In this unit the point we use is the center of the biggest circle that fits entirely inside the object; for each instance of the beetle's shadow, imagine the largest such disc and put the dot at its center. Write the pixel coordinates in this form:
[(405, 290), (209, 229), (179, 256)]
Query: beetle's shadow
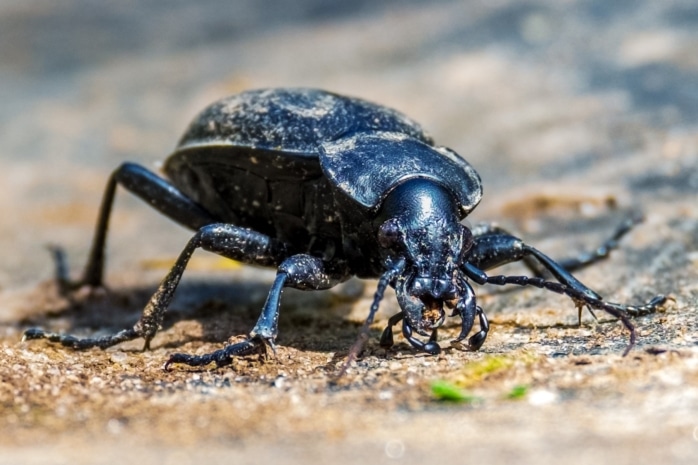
[(221, 308)]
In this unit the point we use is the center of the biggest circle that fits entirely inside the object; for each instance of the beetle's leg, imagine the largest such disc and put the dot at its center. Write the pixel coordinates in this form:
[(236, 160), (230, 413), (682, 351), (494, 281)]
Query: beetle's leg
[(603, 251), (496, 247), (476, 340), (387, 340), (430, 347), (159, 193), (224, 239), (578, 295), (582, 260), (298, 271)]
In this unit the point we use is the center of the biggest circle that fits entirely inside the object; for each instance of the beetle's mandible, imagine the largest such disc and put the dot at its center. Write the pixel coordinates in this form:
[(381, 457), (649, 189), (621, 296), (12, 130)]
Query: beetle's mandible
[(324, 187)]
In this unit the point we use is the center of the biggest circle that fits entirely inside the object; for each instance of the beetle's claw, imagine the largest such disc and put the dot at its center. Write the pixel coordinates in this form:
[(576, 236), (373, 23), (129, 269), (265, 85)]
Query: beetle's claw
[(476, 341), (580, 305)]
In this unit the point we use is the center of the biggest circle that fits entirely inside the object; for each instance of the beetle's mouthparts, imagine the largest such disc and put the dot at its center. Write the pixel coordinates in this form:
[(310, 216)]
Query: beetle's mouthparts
[(433, 314), (424, 313)]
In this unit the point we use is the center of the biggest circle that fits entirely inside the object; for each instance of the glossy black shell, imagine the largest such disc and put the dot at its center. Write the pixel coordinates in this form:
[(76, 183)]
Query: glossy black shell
[(290, 162)]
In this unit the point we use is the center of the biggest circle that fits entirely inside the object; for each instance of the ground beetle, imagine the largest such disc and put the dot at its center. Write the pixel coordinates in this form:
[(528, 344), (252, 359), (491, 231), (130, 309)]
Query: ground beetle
[(324, 187)]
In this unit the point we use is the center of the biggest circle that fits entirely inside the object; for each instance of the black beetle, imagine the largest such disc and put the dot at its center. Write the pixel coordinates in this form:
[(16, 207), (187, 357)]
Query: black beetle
[(324, 187)]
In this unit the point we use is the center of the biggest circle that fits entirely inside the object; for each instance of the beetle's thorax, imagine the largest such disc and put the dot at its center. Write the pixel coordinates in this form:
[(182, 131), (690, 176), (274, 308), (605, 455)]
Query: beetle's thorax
[(423, 215), (419, 228)]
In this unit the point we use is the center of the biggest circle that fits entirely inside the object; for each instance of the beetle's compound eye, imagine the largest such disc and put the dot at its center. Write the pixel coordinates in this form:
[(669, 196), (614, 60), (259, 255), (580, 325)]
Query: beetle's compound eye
[(389, 233)]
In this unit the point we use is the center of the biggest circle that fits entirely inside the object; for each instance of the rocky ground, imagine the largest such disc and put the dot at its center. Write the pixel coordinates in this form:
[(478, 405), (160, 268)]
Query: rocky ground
[(575, 113)]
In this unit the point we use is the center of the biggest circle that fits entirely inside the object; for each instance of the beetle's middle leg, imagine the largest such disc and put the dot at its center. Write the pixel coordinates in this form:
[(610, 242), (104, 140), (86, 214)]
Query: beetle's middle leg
[(494, 247), (227, 240)]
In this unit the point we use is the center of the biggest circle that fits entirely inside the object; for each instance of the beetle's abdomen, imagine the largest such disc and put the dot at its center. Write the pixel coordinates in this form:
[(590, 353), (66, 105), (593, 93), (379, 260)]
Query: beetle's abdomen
[(292, 120), (283, 196)]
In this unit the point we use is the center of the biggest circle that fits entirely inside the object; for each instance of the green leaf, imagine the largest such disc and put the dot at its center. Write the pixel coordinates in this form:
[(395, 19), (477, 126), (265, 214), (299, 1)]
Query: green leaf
[(518, 392), (447, 392)]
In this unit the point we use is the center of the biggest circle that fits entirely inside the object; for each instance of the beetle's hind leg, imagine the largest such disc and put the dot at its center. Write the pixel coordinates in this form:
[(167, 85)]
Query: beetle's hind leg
[(154, 190), (584, 259), (160, 194), (486, 234)]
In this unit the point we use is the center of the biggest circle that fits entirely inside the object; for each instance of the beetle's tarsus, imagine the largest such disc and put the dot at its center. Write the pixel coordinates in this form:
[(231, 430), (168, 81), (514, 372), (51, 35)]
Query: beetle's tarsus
[(604, 250), (221, 357), (72, 342)]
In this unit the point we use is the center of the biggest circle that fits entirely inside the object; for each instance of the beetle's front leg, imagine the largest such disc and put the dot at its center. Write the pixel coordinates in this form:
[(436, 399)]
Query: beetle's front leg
[(493, 247), (298, 271)]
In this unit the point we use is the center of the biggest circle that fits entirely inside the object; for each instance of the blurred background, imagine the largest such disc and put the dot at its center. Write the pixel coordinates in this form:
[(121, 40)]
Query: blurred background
[(528, 91)]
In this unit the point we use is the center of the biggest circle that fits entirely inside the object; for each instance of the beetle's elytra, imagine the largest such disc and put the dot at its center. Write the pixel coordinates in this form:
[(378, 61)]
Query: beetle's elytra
[(324, 187)]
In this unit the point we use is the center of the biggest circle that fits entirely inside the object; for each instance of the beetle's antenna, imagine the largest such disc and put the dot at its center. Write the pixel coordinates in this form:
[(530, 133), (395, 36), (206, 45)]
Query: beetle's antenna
[(383, 283)]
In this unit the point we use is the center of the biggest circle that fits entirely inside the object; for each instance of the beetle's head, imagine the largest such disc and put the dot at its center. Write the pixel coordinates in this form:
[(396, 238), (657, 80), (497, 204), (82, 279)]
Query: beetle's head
[(419, 226)]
